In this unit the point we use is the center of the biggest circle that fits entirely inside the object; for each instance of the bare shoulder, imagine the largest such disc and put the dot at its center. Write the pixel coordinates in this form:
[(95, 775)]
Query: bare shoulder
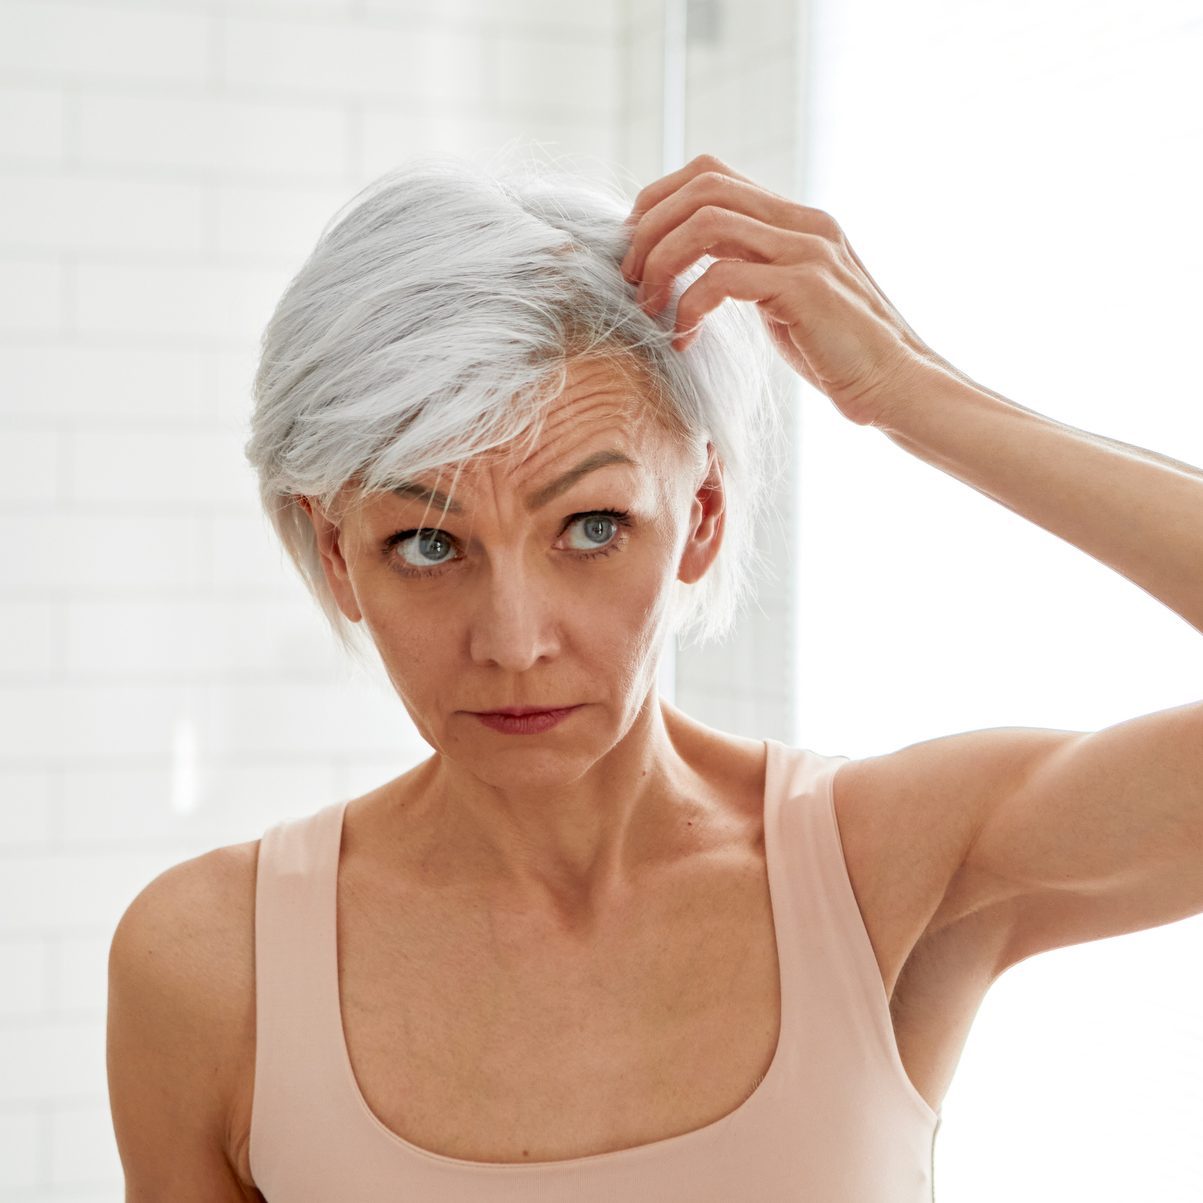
[(204, 910), (233, 870), (204, 902), (907, 821)]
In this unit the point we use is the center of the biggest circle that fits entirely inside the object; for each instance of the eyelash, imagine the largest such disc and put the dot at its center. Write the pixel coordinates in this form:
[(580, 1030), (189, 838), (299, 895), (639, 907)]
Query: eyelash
[(622, 519)]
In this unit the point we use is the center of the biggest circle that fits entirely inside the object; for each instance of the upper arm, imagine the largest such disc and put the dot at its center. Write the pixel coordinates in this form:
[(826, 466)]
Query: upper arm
[(908, 818), (1102, 835), (168, 1078), (1020, 840), (1061, 837)]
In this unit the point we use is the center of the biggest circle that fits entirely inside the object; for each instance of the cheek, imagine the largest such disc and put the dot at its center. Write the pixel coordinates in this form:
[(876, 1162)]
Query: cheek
[(626, 619), (403, 637)]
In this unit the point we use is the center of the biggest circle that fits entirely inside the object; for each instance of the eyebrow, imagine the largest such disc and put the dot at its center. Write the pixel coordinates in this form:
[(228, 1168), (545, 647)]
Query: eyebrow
[(599, 459)]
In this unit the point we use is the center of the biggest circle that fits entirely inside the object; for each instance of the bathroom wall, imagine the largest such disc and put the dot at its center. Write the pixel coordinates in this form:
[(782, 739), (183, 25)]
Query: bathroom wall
[(166, 685)]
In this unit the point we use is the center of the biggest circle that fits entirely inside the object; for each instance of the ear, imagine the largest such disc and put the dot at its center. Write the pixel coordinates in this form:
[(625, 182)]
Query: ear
[(334, 565), (705, 528)]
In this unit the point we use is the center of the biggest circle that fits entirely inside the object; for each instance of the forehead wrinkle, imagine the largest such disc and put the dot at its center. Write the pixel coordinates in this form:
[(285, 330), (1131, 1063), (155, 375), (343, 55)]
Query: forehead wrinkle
[(595, 461), (573, 412), (604, 408)]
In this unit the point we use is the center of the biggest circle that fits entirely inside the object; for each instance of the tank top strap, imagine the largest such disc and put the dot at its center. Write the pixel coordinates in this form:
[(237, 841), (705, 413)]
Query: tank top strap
[(296, 987), (807, 894), (834, 978)]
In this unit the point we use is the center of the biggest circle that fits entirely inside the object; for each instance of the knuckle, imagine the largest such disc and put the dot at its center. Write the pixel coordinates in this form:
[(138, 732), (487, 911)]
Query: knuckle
[(818, 250), (824, 224)]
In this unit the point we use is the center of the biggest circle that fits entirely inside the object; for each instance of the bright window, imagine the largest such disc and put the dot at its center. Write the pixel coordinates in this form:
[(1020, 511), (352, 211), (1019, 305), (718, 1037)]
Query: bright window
[(1023, 182)]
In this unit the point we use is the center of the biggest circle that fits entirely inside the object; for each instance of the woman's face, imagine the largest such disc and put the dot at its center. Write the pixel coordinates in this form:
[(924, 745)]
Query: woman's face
[(528, 592)]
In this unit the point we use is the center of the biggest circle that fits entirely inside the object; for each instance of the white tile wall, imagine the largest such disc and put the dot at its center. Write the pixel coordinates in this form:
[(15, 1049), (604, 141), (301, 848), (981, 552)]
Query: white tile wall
[(33, 123), (97, 44), (166, 687)]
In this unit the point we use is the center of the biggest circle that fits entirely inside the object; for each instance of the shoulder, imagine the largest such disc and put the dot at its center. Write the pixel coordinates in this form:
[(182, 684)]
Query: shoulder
[(927, 801), (206, 879), (194, 915), (187, 939), (908, 819)]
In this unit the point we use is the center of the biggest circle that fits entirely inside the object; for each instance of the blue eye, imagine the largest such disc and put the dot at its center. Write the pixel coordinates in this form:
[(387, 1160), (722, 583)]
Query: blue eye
[(431, 539)]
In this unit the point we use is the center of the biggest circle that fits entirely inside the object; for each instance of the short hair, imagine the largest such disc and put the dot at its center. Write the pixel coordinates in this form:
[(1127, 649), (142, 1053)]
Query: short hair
[(434, 320)]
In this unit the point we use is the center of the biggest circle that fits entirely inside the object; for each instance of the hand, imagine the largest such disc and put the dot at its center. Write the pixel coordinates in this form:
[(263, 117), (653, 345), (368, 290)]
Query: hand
[(823, 310)]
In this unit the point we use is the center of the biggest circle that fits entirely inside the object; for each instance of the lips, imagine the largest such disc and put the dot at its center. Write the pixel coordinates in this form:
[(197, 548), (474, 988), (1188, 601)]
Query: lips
[(535, 723), (519, 711)]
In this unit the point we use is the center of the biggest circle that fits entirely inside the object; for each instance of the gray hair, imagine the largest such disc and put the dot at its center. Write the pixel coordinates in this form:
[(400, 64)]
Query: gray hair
[(434, 320)]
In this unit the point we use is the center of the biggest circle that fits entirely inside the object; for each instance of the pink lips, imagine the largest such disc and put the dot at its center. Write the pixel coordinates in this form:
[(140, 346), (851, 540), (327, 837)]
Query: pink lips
[(517, 711), (525, 722)]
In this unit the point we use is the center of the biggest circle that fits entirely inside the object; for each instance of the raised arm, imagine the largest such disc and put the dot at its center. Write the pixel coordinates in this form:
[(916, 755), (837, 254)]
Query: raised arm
[(1078, 835)]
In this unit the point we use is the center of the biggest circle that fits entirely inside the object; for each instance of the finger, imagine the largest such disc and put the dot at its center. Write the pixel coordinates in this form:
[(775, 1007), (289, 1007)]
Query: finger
[(657, 190), (775, 287), (723, 234), (720, 191)]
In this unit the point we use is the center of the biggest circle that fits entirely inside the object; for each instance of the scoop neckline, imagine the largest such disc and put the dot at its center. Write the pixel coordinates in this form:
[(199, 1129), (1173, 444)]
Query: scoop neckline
[(632, 1152)]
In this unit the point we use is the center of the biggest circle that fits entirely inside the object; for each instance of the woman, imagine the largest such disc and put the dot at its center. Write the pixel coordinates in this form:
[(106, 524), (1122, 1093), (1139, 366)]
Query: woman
[(602, 951)]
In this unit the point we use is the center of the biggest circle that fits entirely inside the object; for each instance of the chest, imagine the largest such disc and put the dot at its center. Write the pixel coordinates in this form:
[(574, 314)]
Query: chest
[(489, 1037), (483, 1037)]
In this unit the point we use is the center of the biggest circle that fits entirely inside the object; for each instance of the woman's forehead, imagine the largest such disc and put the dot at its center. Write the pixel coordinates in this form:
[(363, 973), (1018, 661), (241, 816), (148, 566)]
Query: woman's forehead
[(602, 416)]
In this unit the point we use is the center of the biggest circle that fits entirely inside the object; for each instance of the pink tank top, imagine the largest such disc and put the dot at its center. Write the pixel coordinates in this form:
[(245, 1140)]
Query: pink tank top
[(834, 1120)]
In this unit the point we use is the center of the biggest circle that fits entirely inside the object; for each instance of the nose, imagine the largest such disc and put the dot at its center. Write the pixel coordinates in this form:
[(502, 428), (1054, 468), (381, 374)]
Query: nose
[(514, 623)]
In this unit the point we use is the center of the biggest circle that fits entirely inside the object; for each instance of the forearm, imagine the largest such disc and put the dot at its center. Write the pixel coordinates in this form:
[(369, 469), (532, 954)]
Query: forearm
[(1135, 511)]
